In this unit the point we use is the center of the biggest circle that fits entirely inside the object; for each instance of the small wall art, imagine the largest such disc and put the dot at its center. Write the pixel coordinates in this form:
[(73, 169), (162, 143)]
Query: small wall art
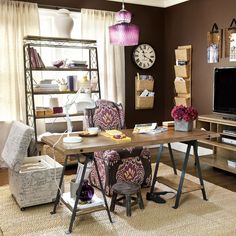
[(230, 41)]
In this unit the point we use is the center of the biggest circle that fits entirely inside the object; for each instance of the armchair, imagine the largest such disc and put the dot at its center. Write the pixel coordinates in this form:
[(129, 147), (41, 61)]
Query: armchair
[(129, 164)]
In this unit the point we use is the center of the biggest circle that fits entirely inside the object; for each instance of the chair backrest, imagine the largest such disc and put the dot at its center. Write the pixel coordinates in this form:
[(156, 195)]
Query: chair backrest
[(106, 115), (16, 145)]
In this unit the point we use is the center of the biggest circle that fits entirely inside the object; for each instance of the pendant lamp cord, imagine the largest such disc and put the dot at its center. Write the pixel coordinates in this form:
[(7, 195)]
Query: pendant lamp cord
[(123, 5)]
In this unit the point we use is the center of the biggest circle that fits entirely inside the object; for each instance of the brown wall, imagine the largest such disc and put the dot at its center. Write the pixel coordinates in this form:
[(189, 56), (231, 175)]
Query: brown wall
[(188, 23)]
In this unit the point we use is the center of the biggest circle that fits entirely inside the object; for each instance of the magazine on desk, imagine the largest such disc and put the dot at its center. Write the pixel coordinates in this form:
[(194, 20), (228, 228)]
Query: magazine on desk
[(148, 128)]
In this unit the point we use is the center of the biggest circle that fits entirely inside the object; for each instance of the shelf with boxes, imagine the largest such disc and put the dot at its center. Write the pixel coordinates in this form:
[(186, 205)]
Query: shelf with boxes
[(183, 75), (144, 95), (55, 69)]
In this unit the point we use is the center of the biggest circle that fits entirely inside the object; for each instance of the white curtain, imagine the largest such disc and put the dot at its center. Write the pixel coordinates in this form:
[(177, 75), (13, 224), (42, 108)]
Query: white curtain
[(17, 19), (95, 25)]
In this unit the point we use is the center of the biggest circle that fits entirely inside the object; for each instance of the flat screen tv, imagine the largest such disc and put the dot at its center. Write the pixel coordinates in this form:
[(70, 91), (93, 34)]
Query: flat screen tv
[(224, 93)]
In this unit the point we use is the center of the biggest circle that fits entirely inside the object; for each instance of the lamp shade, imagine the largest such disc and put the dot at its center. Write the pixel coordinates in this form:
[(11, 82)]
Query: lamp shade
[(124, 34)]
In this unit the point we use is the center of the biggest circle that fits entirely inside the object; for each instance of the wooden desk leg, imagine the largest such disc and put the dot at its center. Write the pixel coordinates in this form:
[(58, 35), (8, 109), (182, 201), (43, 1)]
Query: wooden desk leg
[(172, 158), (195, 145), (103, 193), (154, 179), (181, 182), (77, 197), (59, 187)]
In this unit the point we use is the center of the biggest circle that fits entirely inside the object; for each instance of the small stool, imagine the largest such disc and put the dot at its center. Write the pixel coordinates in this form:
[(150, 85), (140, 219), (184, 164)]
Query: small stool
[(126, 189)]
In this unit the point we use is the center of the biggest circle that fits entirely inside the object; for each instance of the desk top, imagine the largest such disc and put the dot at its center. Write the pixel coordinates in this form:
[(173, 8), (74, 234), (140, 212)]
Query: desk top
[(101, 142)]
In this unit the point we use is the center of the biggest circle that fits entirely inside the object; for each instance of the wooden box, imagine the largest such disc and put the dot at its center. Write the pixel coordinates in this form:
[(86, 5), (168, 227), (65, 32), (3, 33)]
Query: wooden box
[(141, 85), (35, 183), (182, 71), (185, 101), (144, 102), (182, 54), (182, 86)]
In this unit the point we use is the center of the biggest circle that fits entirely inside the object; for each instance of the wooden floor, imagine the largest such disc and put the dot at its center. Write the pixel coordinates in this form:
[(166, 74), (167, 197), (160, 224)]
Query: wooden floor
[(213, 175)]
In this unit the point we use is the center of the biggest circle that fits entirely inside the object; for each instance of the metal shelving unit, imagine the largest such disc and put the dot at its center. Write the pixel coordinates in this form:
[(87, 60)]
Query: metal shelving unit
[(88, 46)]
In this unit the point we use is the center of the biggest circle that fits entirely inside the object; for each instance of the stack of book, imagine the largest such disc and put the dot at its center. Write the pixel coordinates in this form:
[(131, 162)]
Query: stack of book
[(35, 59), (46, 87), (168, 124), (75, 63)]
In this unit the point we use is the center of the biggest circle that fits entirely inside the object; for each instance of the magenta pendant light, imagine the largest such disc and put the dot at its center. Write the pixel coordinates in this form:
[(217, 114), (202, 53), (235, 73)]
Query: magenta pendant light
[(124, 33)]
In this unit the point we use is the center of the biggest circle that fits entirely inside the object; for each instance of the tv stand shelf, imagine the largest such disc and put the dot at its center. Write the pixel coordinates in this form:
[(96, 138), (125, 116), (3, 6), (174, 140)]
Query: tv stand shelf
[(222, 151)]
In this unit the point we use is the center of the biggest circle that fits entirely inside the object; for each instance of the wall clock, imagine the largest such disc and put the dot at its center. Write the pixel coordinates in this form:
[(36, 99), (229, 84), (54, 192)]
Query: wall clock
[(144, 56)]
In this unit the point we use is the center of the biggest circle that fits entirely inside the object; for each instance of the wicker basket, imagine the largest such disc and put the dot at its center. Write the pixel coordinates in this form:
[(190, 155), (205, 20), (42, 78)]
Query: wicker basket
[(182, 71), (182, 101), (182, 54), (144, 102), (141, 85), (182, 86)]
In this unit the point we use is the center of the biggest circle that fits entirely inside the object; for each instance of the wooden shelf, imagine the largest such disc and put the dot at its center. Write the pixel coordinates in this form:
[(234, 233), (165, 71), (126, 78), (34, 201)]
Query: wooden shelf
[(62, 69), (57, 92), (172, 181), (218, 162), (222, 151), (58, 115)]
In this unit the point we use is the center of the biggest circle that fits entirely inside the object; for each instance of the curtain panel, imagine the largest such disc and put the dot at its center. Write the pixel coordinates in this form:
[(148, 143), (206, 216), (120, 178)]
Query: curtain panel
[(111, 59), (17, 19)]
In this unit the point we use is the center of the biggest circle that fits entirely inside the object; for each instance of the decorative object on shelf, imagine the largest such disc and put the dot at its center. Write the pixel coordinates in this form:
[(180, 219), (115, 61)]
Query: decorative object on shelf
[(63, 23), (214, 44), (229, 36), (123, 33), (144, 56), (87, 192), (184, 117)]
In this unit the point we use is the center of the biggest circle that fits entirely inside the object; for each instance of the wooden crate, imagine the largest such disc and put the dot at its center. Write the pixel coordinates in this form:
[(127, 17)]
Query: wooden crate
[(182, 71), (144, 102), (141, 85), (182, 86), (182, 54)]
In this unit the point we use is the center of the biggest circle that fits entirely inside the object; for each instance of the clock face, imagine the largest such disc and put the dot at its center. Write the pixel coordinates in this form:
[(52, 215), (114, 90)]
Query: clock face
[(144, 56)]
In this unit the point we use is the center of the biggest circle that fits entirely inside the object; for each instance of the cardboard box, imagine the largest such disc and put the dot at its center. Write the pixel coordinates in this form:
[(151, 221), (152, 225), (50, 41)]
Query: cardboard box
[(36, 182)]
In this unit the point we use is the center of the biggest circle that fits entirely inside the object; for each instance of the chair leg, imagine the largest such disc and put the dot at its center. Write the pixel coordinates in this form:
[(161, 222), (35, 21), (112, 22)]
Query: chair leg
[(140, 200), (128, 205), (113, 201)]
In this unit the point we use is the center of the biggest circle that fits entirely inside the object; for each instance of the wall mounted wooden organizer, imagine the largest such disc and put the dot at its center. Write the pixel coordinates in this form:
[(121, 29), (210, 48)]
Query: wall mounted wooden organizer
[(183, 54), (140, 86)]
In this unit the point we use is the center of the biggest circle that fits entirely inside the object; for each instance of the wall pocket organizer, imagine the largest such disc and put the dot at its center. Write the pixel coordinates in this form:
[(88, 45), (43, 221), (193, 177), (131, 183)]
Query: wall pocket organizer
[(183, 55), (144, 86)]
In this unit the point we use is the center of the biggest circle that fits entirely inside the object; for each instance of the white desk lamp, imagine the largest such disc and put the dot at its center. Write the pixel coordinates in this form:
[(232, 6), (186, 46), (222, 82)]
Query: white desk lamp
[(86, 101)]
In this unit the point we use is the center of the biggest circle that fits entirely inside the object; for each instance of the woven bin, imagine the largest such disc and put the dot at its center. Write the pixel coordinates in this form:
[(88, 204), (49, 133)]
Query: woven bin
[(141, 85), (182, 71), (144, 102), (182, 101), (182, 86), (182, 54)]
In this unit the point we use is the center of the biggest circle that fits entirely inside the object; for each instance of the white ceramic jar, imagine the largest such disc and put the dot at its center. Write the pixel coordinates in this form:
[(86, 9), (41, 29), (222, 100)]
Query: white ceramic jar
[(63, 23)]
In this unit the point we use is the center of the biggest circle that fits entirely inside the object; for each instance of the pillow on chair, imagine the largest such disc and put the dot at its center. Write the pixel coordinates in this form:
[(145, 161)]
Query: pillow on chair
[(17, 144)]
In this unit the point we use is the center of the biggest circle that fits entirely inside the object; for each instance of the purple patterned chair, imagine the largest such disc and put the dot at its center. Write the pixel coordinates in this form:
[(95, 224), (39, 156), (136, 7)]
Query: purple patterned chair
[(130, 164)]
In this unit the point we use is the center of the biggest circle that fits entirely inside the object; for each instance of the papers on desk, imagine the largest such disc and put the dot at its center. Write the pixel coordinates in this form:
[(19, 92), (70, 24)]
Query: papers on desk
[(116, 135), (149, 128)]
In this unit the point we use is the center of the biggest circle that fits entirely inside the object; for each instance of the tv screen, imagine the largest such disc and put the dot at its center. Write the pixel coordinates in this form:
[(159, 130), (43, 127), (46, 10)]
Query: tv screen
[(225, 90)]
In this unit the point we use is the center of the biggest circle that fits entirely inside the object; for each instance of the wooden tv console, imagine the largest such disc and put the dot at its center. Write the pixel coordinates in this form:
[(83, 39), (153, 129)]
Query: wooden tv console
[(221, 151)]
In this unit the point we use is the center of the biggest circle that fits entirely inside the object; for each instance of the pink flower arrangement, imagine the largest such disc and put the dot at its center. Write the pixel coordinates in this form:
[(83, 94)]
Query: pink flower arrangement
[(184, 113)]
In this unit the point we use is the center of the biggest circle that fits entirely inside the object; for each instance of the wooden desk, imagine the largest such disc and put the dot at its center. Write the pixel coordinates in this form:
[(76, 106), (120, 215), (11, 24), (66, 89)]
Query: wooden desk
[(100, 143)]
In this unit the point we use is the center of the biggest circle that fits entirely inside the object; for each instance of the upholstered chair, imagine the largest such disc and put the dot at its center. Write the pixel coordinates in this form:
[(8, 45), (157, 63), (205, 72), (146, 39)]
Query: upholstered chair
[(129, 164)]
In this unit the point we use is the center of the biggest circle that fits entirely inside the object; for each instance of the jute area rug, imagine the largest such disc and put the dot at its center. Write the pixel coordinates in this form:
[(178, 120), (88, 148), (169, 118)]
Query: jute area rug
[(217, 216)]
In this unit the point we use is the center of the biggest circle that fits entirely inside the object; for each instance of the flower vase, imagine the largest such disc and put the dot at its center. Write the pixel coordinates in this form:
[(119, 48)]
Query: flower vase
[(182, 125), (63, 23), (87, 192)]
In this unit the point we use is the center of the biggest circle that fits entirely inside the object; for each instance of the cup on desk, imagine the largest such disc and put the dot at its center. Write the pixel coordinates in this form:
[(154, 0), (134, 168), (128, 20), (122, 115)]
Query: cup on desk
[(93, 130)]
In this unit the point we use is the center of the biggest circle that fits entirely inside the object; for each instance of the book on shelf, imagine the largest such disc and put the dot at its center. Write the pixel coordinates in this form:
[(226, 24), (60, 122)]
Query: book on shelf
[(35, 59), (232, 163)]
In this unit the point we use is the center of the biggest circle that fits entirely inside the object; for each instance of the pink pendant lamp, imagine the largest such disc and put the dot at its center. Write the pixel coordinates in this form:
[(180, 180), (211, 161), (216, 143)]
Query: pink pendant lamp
[(124, 33)]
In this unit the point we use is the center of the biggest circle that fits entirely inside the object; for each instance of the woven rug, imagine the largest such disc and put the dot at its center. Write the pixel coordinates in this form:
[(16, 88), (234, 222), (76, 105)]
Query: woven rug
[(217, 216)]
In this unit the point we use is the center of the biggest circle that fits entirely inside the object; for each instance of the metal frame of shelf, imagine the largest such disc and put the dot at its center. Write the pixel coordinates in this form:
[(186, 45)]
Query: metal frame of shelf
[(35, 41)]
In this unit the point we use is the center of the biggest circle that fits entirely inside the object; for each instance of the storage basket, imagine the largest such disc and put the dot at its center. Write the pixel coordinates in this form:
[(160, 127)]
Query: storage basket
[(182, 71), (144, 84), (182, 54), (144, 102), (182, 101), (182, 86)]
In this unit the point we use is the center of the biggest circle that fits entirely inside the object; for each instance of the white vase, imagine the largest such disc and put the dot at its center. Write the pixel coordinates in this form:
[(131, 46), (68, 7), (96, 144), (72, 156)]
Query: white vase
[(63, 23)]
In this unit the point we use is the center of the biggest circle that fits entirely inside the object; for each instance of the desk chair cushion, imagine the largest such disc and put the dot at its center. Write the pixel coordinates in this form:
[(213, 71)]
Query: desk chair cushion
[(16, 145), (128, 165)]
